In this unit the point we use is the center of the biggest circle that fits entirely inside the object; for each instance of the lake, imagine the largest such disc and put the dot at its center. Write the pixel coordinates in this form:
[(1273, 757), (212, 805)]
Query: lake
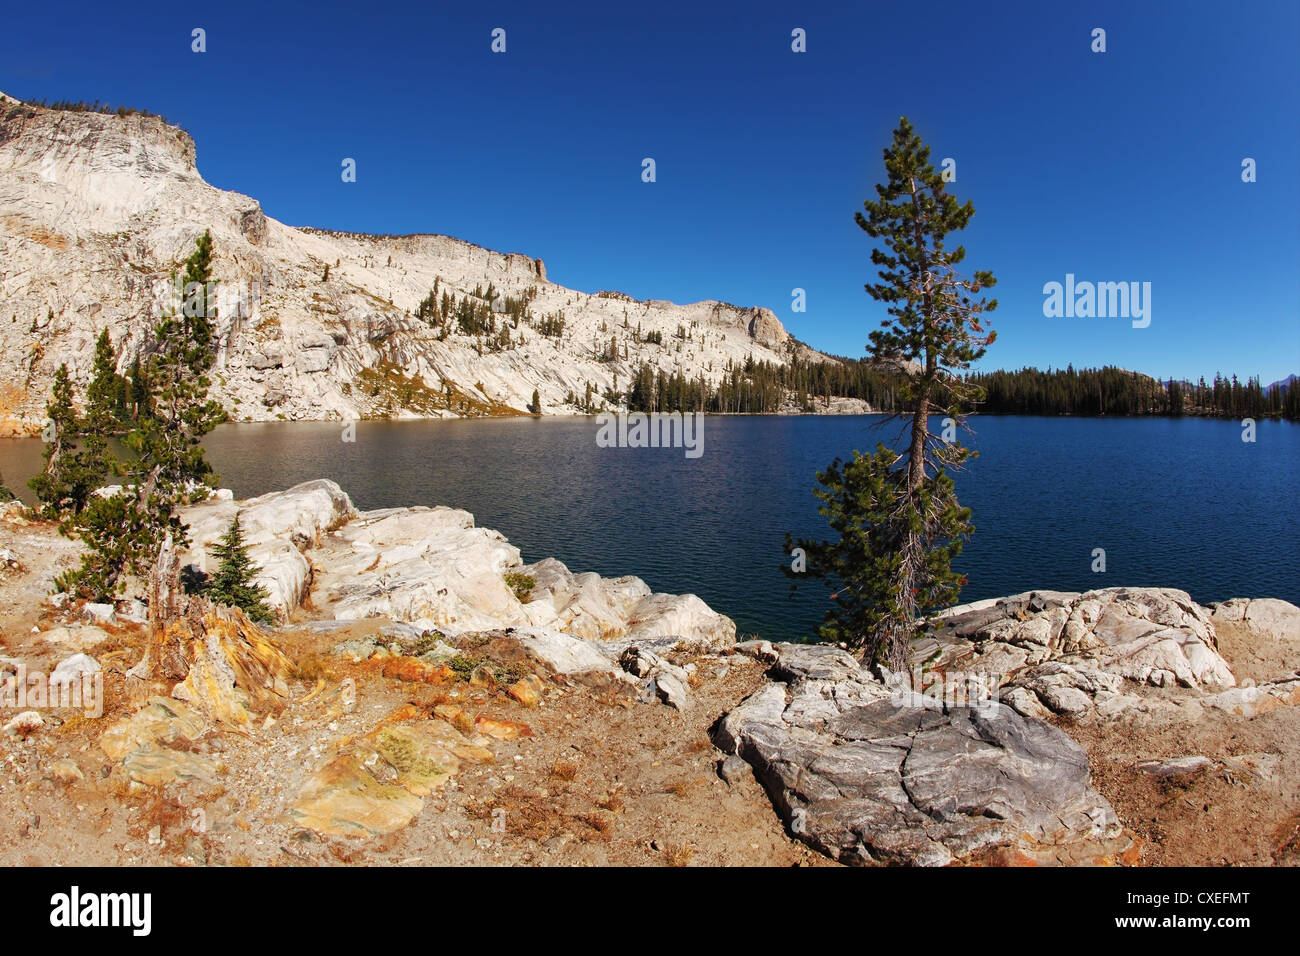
[(1180, 503)]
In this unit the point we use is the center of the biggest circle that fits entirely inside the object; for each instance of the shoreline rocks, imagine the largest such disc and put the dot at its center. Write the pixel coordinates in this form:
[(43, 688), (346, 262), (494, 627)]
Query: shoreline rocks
[(433, 568), (976, 757)]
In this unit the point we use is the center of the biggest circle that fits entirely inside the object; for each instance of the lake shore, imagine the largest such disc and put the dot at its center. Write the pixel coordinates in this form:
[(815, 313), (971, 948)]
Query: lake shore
[(580, 719)]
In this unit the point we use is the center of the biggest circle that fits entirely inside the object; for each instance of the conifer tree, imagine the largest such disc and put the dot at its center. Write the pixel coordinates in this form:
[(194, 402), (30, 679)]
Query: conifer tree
[(233, 582), (66, 481), (899, 521), (103, 396), (124, 533), (139, 390), (168, 440)]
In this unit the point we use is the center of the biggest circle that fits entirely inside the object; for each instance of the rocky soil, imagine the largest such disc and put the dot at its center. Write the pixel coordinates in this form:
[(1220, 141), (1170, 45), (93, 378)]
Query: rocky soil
[(426, 697)]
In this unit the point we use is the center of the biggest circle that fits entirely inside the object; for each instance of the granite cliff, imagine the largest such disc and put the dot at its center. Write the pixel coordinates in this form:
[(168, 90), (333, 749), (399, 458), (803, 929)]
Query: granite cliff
[(98, 210)]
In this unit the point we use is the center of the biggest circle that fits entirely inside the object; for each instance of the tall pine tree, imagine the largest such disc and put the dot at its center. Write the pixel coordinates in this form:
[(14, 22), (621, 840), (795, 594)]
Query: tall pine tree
[(897, 514), (103, 398), (125, 533), (69, 476)]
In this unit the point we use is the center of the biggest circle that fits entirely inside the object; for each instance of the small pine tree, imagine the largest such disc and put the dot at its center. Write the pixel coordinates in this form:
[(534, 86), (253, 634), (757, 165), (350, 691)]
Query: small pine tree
[(5, 493), (68, 478), (233, 583), (102, 400), (535, 406)]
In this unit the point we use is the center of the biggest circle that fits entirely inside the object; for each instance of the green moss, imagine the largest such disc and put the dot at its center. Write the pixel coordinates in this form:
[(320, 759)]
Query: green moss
[(521, 584)]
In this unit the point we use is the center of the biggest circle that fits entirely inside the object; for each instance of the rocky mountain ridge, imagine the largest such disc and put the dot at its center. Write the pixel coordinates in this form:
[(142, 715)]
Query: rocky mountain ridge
[(97, 211)]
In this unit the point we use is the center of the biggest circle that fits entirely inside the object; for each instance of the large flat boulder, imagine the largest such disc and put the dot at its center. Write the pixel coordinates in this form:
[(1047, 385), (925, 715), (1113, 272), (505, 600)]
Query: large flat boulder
[(873, 774)]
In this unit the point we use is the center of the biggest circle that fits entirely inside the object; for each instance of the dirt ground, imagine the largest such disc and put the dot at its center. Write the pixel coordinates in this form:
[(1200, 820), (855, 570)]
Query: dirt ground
[(1242, 811), (602, 779)]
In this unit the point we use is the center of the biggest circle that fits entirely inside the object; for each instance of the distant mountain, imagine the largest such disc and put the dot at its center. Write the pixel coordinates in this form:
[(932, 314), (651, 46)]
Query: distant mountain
[(1282, 383), (98, 210)]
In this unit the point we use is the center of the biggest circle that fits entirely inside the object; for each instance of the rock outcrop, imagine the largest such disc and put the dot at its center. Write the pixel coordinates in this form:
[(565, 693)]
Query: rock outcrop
[(434, 569), (873, 774), (1047, 651), (967, 758)]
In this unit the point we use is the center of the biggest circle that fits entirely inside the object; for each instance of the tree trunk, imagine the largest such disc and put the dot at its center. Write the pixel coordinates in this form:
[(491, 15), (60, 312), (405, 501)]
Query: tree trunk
[(916, 453)]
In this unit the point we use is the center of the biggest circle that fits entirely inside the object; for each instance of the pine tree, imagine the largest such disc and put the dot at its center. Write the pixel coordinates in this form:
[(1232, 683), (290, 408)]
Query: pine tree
[(125, 533), (139, 390), (897, 513), (233, 583), (67, 480), (168, 441), (102, 400), (535, 406), (5, 493)]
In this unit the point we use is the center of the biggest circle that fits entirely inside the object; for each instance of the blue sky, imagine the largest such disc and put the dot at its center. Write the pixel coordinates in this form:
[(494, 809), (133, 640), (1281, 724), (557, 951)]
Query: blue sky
[(1115, 166)]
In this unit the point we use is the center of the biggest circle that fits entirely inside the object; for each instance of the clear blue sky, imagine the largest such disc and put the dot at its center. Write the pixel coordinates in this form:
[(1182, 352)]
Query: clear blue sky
[(1122, 166)]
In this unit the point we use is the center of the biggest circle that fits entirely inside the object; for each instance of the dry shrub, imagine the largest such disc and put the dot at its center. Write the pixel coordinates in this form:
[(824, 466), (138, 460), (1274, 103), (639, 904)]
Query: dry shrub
[(600, 821), (681, 788), (613, 801), (464, 723), (679, 855), (565, 769), (313, 665)]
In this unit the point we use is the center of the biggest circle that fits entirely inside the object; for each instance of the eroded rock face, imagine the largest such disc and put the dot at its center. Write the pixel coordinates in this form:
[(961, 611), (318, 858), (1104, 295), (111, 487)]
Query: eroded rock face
[(279, 528), (612, 608), (1069, 652), (871, 774), (1266, 615)]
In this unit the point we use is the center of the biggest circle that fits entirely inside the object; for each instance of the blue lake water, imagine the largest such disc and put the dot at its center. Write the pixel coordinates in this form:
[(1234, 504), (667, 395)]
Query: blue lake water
[(1174, 502)]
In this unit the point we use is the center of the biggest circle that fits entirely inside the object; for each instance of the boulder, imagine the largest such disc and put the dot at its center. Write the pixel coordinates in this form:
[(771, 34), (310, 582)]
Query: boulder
[(1269, 616), (278, 529), (871, 774), (1074, 651), (25, 723), (75, 638), (99, 613), (71, 671)]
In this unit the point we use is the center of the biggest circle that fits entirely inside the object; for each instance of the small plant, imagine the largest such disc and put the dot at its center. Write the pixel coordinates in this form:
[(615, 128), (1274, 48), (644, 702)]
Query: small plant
[(680, 855), (613, 801), (463, 666), (565, 769), (521, 584), (233, 583)]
